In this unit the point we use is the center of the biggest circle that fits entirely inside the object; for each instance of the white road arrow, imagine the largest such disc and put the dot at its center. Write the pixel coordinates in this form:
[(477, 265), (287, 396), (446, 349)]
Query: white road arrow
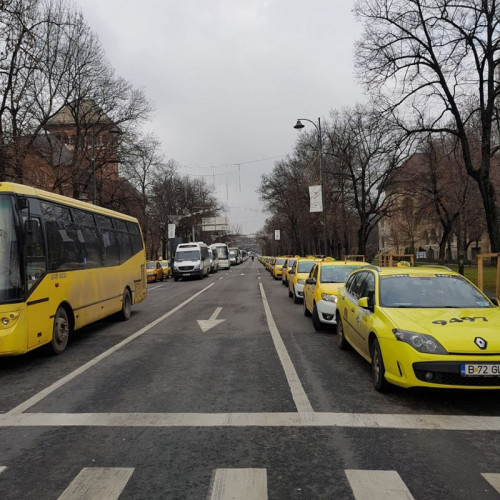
[(206, 324)]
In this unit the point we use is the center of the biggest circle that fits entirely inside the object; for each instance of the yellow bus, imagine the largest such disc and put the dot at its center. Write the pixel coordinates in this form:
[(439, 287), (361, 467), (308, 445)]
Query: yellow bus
[(64, 264)]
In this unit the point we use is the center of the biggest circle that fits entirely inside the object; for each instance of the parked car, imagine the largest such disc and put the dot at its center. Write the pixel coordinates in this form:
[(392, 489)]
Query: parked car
[(191, 259), (421, 326), (322, 287), (167, 270), (297, 277), (154, 270)]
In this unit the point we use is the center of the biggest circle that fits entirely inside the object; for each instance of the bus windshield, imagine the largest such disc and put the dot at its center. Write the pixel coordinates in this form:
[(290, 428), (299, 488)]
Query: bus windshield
[(222, 252), (187, 255), (10, 270)]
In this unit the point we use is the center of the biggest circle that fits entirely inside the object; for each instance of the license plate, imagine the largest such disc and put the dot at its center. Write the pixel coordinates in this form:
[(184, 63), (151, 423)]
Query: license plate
[(187, 274), (480, 370)]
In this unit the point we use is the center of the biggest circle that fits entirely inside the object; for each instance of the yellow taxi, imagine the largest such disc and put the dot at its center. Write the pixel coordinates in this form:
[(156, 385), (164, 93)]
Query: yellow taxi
[(154, 271), (167, 271), (322, 287), (297, 277), (277, 267), (421, 326), (286, 267)]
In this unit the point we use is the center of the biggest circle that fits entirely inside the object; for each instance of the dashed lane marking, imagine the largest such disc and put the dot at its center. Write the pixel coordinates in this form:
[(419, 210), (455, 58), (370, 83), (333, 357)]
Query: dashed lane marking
[(97, 482), (493, 479), (377, 484), (248, 484)]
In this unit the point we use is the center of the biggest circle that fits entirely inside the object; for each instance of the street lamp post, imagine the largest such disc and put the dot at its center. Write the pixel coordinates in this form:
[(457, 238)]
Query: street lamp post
[(92, 163), (298, 126)]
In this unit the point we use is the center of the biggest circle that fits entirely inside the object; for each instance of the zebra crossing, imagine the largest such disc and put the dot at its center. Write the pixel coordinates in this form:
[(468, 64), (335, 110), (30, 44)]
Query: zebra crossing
[(107, 483)]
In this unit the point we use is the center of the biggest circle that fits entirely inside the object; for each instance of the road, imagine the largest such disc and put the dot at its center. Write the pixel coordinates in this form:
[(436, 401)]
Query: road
[(220, 389)]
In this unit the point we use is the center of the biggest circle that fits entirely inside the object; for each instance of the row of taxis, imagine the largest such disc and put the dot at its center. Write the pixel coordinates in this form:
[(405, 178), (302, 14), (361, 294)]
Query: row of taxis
[(425, 326), (158, 270)]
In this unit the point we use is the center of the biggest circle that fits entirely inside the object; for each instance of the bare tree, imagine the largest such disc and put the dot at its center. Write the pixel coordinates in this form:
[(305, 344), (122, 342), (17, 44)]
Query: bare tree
[(368, 150), (435, 65)]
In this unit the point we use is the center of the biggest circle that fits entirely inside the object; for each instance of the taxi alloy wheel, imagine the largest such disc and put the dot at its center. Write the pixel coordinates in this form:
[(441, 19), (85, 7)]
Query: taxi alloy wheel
[(341, 341), (296, 300), (290, 294), (306, 310), (378, 369)]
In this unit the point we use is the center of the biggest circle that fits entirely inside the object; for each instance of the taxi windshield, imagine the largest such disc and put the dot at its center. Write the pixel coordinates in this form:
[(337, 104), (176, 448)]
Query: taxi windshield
[(435, 291), (305, 266), (280, 262), (336, 274), (150, 265)]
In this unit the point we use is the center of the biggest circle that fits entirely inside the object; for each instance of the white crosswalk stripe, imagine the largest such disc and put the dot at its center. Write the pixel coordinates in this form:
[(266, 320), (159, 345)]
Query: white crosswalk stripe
[(239, 484), (377, 485), (493, 479), (98, 482)]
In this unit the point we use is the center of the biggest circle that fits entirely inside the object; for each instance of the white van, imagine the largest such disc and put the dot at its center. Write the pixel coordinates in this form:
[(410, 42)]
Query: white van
[(223, 253), (191, 259)]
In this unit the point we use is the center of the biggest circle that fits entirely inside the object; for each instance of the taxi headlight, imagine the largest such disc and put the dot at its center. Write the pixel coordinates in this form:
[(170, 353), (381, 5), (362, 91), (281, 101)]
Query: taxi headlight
[(301, 282), (329, 298), (420, 342)]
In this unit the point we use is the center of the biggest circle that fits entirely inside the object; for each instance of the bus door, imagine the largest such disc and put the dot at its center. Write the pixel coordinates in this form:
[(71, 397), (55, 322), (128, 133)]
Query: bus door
[(38, 303)]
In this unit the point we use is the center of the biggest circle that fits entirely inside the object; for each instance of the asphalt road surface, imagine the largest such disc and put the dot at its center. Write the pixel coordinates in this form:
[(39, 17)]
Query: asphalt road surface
[(220, 388)]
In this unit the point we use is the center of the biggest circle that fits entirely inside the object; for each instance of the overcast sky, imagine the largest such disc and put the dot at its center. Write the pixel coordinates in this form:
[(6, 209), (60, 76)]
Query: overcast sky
[(229, 78)]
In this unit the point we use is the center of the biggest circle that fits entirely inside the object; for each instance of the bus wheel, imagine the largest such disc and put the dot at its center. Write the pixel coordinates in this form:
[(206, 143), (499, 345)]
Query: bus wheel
[(60, 332), (126, 311)]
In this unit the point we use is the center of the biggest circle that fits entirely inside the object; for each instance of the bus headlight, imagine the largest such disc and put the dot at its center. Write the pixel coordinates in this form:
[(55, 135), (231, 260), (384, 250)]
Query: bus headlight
[(5, 321)]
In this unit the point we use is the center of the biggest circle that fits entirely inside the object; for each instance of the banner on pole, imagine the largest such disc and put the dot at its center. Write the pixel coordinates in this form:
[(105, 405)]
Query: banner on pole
[(316, 199), (277, 234), (171, 231)]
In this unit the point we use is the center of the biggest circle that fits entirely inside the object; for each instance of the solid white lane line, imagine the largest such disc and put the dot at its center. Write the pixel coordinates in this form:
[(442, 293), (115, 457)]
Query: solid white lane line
[(299, 395), (2, 468), (377, 485), (348, 420), (59, 383), (97, 482), (244, 484), (493, 479)]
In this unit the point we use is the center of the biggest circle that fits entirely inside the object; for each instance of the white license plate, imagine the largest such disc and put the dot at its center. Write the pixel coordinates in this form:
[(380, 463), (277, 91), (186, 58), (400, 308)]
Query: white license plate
[(187, 274), (480, 370)]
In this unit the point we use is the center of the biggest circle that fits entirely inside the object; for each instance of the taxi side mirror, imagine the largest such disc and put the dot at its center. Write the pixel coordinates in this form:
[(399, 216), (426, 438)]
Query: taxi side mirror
[(310, 281), (291, 272), (364, 303)]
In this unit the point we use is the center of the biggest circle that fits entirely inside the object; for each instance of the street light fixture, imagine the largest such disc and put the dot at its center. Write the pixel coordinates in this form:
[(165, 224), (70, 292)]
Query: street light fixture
[(298, 126)]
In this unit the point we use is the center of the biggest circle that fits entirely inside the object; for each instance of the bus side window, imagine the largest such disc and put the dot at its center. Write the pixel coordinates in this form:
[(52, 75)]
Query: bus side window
[(62, 240), (36, 264), (109, 241), (124, 241), (135, 234), (88, 237)]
